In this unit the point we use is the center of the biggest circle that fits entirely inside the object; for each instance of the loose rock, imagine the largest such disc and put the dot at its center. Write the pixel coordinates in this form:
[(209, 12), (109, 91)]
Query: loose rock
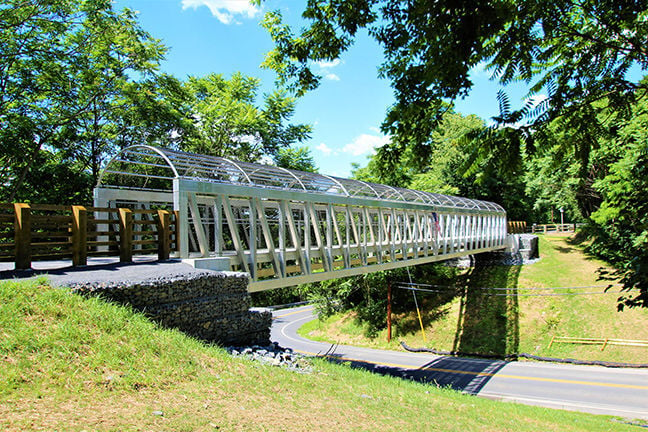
[(273, 355)]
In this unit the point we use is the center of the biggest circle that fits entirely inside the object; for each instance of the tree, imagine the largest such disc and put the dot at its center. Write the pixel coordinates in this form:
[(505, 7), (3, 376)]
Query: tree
[(299, 159), (228, 123), (62, 62), (576, 53), (621, 223), (154, 111)]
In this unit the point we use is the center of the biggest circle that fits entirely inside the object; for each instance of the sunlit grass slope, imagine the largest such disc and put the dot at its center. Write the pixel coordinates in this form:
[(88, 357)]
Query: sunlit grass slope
[(70, 363), (474, 321)]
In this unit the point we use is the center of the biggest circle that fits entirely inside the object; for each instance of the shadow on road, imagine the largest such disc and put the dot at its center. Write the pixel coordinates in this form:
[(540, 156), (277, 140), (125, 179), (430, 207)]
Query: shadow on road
[(462, 374)]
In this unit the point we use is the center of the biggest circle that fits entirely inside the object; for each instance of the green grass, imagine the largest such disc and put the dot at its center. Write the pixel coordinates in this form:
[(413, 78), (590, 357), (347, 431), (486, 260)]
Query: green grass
[(71, 363), (476, 322)]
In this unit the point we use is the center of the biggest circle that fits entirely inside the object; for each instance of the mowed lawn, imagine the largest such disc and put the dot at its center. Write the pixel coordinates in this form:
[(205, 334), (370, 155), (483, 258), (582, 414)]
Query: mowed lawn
[(69, 363), (479, 322)]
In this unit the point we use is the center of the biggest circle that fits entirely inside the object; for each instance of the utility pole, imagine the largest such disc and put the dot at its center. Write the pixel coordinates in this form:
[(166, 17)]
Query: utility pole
[(389, 310)]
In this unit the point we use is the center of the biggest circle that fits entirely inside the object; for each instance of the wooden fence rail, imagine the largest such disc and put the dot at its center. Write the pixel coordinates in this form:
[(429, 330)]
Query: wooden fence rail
[(520, 227), (545, 228), (598, 341), (32, 232)]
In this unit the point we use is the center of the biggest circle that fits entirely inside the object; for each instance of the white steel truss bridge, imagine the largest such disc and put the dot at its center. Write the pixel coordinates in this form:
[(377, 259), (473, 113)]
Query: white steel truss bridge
[(287, 227)]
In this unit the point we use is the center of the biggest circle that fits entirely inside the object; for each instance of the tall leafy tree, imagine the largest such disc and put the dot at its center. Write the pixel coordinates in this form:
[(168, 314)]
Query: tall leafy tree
[(229, 123), (154, 111), (296, 158), (621, 222), (62, 62), (574, 53), (445, 171)]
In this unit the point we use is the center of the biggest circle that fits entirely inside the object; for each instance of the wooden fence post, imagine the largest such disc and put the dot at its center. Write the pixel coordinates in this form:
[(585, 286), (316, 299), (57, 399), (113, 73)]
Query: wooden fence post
[(79, 236), (22, 236), (163, 234), (125, 235)]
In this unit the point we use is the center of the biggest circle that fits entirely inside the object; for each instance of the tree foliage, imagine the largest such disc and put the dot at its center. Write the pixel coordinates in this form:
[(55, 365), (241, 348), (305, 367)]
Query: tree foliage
[(445, 171), (621, 223), (574, 53), (299, 158), (63, 62), (576, 59), (79, 81), (228, 123)]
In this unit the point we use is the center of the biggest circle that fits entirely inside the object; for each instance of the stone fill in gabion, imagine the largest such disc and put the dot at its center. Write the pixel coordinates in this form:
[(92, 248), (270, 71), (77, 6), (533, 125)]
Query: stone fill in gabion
[(213, 306)]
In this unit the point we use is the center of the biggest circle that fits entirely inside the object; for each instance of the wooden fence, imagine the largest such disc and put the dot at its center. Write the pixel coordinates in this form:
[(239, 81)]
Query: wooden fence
[(517, 227), (598, 341), (37, 232), (520, 227), (545, 228)]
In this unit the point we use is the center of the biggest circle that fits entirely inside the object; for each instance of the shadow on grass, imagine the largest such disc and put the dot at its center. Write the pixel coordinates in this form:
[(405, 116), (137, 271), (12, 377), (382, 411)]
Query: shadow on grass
[(433, 308), (564, 250), (488, 321), (462, 374)]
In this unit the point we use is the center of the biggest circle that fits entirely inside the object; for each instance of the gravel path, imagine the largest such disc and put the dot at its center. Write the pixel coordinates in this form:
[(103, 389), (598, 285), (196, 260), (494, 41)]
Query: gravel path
[(115, 272)]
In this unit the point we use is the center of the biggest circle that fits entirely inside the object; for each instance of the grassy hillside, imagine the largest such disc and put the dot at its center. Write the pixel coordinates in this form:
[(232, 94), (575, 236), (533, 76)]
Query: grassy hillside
[(69, 363), (475, 321)]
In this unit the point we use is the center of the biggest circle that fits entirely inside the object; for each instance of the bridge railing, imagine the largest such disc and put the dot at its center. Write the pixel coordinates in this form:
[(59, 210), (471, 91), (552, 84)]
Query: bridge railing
[(39, 232), (283, 242)]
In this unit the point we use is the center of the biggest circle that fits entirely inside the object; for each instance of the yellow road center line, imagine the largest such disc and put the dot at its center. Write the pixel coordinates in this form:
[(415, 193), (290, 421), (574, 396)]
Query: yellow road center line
[(498, 375), (462, 372), (293, 313)]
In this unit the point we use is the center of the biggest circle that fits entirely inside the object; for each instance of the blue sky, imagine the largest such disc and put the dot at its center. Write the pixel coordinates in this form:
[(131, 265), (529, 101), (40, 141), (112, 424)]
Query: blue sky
[(224, 36)]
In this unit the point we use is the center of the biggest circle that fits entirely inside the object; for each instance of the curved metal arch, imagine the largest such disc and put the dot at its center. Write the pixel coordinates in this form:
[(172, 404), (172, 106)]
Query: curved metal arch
[(292, 174), (148, 147), (337, 182), (369, 186), (420, 195), (212, 169), (431, 198), (239, 168), (395, 190)]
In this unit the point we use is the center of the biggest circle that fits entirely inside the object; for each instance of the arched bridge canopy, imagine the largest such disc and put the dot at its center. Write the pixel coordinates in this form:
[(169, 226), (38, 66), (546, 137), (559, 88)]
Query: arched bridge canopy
[(287, 227), (147, 167)]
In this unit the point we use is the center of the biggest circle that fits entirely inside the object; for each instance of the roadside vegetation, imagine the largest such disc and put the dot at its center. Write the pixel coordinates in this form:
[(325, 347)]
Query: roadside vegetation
[(469, 318), (72, 363)]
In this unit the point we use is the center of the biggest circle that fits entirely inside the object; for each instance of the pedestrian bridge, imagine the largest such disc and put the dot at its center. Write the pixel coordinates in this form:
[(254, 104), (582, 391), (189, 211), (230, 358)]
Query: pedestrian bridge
[(287, 227)]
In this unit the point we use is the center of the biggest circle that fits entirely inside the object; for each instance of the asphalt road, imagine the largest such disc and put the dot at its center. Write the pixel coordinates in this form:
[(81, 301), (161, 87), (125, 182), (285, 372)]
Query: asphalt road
[(593, 389)]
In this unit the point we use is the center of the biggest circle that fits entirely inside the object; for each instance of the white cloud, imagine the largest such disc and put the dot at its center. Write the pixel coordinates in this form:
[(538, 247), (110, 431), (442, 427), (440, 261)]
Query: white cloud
[(364, 144), (324, 149), (533, 102), (480, 70), (324, 64), (332, 77), (224, 10), (536, 99)]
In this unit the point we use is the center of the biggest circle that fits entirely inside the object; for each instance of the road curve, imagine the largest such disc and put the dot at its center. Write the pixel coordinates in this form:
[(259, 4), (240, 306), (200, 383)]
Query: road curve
[(593, 389)]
